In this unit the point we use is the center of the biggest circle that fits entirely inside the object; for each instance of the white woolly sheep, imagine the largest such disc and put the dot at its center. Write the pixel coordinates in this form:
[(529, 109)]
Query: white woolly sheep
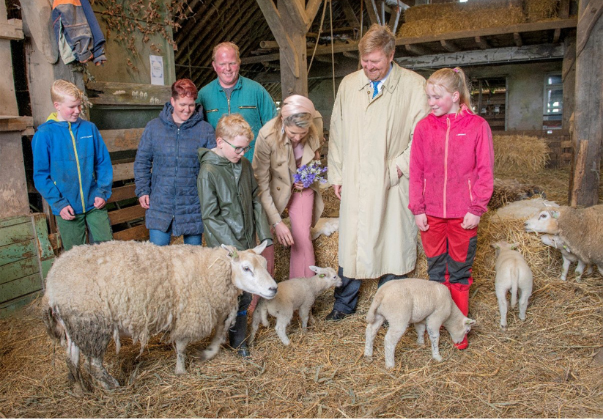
[(297, 294), (97, 292), (325, 227), (580, 229), (512, 273), (568, 257), (427, 304)]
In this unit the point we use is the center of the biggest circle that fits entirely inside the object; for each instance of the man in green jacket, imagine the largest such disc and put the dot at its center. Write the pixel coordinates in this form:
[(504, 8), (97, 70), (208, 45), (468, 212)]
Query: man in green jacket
[(231, 93), (230, 204)]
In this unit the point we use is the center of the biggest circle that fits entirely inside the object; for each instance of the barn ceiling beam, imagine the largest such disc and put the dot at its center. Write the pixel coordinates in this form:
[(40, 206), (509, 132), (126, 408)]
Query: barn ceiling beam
[(480, 57), (296, 11), (394, 18), (417, 49), (311, 10), (350, 15), (373, 12)]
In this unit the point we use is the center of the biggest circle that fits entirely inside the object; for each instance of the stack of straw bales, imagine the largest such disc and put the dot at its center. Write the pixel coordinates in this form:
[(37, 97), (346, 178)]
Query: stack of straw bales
[(434, 19), (520, 154)]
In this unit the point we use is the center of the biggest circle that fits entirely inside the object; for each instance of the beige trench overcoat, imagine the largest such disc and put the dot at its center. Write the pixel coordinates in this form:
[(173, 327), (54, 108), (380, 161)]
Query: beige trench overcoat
[(369, 138), (274, 167)]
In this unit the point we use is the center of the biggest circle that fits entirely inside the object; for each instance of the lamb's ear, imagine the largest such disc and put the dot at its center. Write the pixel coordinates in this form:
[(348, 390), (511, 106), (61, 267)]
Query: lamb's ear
[(554, 214), (514, 245), (314, 269), (232, 251), (469, 321), (259, 249), (495, 245)]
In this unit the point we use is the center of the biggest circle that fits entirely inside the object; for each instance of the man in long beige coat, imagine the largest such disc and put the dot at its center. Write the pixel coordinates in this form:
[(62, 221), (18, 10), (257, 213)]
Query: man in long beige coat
[(375, 113)]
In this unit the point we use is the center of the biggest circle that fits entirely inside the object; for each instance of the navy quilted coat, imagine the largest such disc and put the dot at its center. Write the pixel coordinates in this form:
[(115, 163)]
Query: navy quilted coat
[(166, 169)]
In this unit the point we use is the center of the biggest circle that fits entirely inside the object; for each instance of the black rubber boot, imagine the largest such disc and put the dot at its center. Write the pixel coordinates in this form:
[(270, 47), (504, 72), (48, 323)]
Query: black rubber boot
[(237, 335)]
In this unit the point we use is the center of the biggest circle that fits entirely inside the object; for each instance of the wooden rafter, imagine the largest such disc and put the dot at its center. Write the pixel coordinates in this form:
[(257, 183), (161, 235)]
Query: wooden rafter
[(371, 9)]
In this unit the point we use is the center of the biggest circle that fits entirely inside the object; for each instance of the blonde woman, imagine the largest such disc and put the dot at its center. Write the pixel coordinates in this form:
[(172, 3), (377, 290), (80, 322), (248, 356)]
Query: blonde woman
[(284, 144)]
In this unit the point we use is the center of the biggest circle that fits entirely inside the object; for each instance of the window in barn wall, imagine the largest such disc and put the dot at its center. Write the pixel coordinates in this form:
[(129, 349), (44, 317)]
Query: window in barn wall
[(553, 102), (489, 100)]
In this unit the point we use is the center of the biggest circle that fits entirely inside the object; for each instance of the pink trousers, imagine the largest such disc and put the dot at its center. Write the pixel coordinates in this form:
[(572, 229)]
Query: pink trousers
[(302, 252)]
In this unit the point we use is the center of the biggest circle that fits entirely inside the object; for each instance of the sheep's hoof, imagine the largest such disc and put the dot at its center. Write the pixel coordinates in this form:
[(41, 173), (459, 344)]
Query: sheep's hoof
[(438, 358), (180, 371), (503, 328)]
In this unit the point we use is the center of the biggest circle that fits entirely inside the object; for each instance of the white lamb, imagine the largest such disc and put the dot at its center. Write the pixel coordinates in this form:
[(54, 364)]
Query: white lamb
[(512, 273), (580, 228), (97, 292), (297, 294), (568, 257), (427, 304)]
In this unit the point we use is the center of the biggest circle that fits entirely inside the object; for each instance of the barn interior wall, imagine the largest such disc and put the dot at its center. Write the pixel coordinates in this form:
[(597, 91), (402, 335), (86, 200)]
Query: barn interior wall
[(525, 92)]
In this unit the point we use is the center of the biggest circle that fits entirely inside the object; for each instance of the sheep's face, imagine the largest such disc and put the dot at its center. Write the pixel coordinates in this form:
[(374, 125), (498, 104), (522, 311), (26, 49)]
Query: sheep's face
[(249, 272), (458, 337), (544, 222), (327, 274)]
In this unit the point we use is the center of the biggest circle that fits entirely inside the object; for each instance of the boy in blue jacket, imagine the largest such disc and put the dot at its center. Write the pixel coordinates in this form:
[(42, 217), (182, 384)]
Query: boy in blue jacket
[(72, 169)]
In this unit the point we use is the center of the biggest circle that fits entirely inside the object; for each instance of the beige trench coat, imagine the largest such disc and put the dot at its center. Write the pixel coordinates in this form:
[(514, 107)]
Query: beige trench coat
[(274, 167), (369, 138)]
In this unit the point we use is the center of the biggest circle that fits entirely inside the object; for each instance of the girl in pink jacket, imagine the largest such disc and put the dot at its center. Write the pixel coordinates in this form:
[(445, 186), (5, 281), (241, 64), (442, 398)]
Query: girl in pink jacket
[(451, 182)]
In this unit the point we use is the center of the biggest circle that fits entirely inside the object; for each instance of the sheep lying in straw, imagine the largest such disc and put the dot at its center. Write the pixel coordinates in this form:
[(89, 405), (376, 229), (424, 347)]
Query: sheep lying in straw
[(512, 273), (579, 228), (427, 304), (568, 257), (95, 293), (297, 294)]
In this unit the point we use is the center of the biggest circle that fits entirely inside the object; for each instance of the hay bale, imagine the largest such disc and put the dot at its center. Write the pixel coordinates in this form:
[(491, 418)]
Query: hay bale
[(536, 10), (519, 154), (510, 190)]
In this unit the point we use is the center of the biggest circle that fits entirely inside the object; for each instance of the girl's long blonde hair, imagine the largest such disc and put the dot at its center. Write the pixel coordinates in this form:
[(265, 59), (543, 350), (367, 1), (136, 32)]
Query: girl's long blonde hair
[(453, 80)]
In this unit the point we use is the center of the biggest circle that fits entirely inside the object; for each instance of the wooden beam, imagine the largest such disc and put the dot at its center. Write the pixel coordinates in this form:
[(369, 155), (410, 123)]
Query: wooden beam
[(517, 39), (268, 44), (11, 30), (394, 18), (123, 171), (479, 57), (588, 19), (448, 46), (297, 13), (261, 58), (113, 93), (127, 214), (481, 42), (311, 10), (139, 233), (564, 8), (417, 49), (350, 15), (273, 17), (556, 35), (122, 192), (15, 123), (371, 9)]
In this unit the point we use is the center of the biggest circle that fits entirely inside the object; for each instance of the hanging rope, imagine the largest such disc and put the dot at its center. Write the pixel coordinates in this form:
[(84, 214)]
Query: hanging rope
[(322, 19)]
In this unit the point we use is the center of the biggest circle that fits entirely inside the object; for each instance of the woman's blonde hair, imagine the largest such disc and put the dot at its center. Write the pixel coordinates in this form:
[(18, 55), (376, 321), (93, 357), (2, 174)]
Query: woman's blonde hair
[(61, 89), (233, 125), (453, 80), (301, 120), (377, 37)]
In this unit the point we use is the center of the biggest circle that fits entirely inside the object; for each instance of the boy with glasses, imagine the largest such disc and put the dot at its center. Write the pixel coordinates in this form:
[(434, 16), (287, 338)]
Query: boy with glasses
[(230, 204)]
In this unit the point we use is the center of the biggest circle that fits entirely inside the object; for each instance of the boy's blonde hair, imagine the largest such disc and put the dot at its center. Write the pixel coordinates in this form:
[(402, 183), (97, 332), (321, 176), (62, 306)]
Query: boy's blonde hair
[(233, 125), (377, 37), (61, 89), (453, 80)]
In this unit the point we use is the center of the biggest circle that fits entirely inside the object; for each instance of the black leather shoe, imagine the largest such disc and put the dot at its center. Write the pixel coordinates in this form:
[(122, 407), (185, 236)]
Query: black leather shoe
[(336, 315)]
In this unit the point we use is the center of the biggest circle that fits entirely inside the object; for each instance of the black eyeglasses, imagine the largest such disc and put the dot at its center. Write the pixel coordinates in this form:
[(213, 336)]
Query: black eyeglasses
[(238, 150)]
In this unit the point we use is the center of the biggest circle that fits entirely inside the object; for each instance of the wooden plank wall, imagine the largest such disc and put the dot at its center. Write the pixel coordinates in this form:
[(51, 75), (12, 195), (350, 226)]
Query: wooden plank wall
[(25, 257), (128, 213)]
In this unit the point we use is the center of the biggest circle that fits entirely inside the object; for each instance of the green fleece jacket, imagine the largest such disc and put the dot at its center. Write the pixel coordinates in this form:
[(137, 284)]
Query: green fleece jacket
[(230, 205)]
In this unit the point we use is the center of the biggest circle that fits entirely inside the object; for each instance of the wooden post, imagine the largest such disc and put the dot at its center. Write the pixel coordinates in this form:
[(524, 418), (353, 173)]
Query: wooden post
[(584, 190), (568, 76)]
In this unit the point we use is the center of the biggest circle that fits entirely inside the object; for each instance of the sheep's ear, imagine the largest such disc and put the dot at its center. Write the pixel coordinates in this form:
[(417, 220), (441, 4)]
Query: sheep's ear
[(232, 251), (259, 249), (554, 214), (469, 321), (495, 245), (514, 245), (314, 269)]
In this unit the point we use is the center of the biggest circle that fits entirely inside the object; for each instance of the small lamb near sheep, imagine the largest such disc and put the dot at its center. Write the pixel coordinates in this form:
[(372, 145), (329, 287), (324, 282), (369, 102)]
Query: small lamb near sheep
[(512, 273), (579, 228), (568, 257), (427, 304), (294, 294), (97, 292)]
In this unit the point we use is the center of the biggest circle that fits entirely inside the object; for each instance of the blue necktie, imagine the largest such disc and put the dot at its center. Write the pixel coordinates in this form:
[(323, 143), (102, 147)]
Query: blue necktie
[(375, 89)]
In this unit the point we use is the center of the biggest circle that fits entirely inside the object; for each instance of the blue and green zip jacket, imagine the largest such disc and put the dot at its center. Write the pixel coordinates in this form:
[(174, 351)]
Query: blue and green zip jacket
[(248, 98), (71, 164)]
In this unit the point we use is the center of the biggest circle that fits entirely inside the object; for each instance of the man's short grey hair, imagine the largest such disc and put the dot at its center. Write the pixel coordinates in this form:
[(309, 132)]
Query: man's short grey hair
[(377, 37), (231, 45)]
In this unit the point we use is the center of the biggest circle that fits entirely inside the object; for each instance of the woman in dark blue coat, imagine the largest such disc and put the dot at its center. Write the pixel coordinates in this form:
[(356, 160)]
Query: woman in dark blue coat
[(166, 167)]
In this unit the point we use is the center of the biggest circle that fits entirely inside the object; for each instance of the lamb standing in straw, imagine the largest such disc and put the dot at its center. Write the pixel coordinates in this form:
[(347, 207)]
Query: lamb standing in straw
[(568, 257), (512, 274), (427, 304), (580, 229), (294, 294), (97, 292)]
